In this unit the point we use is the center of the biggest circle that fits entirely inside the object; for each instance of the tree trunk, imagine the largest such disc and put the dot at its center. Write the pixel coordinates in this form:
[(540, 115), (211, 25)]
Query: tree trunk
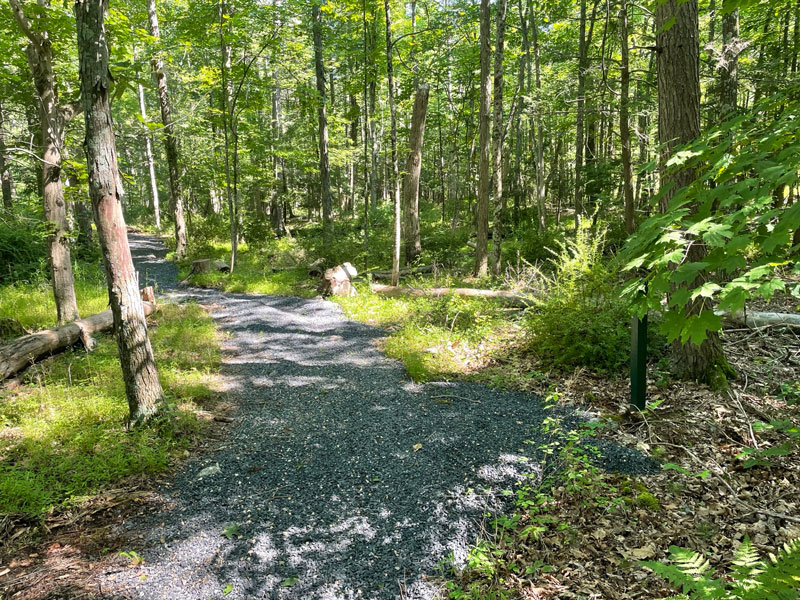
[(497, 139), (413, 245), (484, 180), (393, 139), (624, 122), (324, 165), (23, 351), (151, 165), (5, 175), (540, 175), (579, 141), (170, 142), (142, 386), (226, 100), (729, 64), (679, 123), (54, 117), (276, 199)]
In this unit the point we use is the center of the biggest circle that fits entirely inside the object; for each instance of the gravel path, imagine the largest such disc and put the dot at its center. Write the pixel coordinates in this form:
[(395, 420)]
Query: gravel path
[(344, 478)]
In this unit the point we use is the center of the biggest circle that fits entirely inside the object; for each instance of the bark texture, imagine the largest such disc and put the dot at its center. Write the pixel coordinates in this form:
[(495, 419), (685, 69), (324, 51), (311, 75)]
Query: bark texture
[(5, 175), (142, 386), (324, 164), (482, 215), (53, 117), (678, 123), (579, 141), (624, 121), (497, 139), (395, 183), (170, 142), (413, 245)]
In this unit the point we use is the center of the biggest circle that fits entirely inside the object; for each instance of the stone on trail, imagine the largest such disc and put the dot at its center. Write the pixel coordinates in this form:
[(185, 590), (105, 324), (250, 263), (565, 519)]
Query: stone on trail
[(209, 471)]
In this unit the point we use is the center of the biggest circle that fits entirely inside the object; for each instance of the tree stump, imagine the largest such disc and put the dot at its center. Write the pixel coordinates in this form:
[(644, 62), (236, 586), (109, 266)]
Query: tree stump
[(148, 294), (200, 266), (338, 281)]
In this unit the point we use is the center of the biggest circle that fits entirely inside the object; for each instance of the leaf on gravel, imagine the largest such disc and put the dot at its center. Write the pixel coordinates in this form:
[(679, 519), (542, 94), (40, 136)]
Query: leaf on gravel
[(231, 530), (227, 589), (417, 447), (289, 581)]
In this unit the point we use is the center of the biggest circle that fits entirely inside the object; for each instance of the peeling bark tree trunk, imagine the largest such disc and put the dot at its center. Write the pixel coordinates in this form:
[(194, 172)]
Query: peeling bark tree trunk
[(624, 122), (324, 165), (482, 243), (54, 116), (678, 123), (170, 143), (5, 174), (413, 246), (395, 168), (497, 138), (142, 386)]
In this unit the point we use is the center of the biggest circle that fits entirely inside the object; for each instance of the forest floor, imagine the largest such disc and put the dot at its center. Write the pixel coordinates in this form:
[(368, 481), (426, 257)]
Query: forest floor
[(341, 475)]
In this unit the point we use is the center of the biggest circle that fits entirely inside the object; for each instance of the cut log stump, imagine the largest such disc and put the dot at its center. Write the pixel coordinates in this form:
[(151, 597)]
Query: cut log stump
[(338, 281)]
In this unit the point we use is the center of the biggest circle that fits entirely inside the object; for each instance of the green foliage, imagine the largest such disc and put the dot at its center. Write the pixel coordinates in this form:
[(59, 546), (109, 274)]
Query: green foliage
[(64, 434), (22, 250), (581, 320), (737, 210), (749, 577)]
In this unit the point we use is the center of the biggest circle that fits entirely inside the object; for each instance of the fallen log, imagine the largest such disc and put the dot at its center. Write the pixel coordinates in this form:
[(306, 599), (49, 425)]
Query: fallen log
[(338, 281), (505, 297), (406, 271), (758, 320), (23, 351)]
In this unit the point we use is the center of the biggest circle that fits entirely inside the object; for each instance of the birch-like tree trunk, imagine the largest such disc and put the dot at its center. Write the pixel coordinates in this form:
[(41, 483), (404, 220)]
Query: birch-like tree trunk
[(54, 117), (151, 165), (170, 142), (142, 386)]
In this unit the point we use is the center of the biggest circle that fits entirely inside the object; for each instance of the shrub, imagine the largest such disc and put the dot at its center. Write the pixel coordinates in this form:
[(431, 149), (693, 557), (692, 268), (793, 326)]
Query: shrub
[(23, 254), (581, 320)]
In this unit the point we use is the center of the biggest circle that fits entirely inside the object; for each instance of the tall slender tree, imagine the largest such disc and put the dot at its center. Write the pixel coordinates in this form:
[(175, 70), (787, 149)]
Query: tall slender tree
[(497, 139), (142, 386), (413, 169), (484, 180), (54, 116), (624, 120), (395, 183), (170, 141), (5, 174), (322, 114), (581, 101)]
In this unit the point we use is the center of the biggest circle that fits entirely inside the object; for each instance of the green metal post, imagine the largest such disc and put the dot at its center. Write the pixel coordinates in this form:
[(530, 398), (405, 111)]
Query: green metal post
[(639, 362)]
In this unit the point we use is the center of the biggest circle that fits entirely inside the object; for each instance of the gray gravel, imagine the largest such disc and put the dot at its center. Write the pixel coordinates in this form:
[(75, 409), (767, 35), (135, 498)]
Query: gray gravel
[(345, 478)]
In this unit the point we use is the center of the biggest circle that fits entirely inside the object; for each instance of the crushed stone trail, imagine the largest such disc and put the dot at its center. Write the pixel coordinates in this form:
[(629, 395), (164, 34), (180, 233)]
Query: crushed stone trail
[(341, 478)]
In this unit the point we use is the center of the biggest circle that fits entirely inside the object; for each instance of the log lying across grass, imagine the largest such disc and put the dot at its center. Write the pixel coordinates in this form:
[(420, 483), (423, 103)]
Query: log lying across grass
[(507, 298), (757, 320), (23, 351), (406, 271)]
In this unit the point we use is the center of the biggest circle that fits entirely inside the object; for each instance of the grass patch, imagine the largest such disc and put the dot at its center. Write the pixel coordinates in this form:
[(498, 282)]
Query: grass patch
[(436, 338), (33, 306), (63, 434)]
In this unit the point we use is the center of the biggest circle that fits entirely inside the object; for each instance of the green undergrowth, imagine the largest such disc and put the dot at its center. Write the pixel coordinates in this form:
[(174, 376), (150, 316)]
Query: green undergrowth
[(31, 302), (63, 435)]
